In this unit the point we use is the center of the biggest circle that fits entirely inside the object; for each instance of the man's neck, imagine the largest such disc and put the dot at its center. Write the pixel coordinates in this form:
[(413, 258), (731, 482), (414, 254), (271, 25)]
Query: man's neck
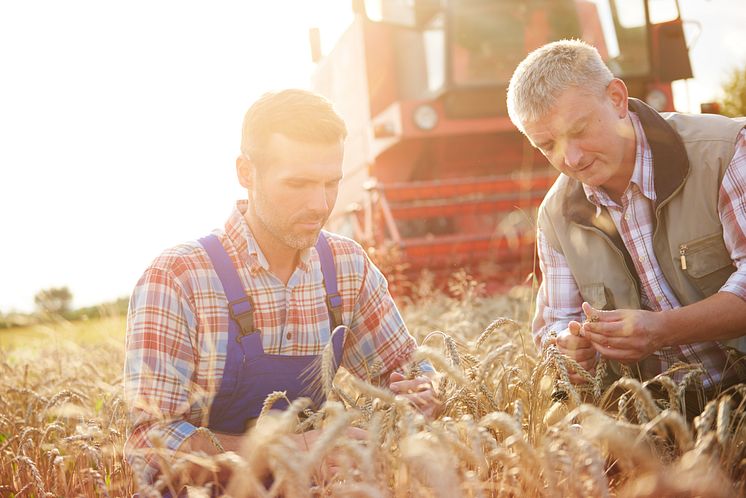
[(282, 259)]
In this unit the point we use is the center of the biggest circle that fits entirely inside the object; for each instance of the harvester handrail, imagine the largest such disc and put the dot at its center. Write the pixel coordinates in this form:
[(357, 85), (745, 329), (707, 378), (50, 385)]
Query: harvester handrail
[(430, 208), (458, 187)]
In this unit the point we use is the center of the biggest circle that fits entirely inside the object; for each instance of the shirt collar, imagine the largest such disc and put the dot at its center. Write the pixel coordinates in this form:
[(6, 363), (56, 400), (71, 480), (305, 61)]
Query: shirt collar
[(642, 174), (249, 253)]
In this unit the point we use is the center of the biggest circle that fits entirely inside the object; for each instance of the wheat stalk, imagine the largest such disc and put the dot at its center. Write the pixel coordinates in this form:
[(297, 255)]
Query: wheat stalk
[(31, 466), (271, 399), (486, 365), (723, 420), (674, 421), (496, 325), (522, 445), (442, 364)]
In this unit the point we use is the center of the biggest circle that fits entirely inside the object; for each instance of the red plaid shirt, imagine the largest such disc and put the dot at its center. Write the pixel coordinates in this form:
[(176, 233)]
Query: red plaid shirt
[(177, 327), (559, 300)]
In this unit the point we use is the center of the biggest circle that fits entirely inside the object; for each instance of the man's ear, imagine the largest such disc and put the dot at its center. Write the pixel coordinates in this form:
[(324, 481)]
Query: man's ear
[(244, 171), (618, 94)]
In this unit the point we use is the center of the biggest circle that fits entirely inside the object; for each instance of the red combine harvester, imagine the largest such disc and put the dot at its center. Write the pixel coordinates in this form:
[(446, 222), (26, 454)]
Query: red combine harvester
[(434, 171)]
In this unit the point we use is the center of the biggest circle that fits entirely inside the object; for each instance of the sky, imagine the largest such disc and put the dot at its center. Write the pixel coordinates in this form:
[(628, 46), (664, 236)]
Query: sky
[(120, 123)]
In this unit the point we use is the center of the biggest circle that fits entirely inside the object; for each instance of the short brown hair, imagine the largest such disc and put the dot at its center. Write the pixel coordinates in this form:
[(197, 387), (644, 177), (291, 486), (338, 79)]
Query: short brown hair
[(297, 114)]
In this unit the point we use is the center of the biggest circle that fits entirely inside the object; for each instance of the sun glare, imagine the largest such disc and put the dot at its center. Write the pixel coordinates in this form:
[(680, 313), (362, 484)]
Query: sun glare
[(120, 123)]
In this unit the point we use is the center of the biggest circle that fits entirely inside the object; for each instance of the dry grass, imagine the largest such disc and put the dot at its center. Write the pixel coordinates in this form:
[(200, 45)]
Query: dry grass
[(62, 419), (512, 426)]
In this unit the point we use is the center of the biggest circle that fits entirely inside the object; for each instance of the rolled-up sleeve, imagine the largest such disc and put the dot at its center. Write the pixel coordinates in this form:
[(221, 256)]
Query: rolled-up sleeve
[(732, 209), (159, 363), (379, 335), (558, 300)]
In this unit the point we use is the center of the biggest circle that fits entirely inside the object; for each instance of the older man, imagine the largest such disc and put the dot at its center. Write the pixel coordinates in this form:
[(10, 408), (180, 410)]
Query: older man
[(644, 231), (216, 325)]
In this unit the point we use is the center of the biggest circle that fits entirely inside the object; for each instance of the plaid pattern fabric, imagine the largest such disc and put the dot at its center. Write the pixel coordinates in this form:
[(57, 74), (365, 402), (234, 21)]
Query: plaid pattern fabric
[(559, 300), (177, 327)]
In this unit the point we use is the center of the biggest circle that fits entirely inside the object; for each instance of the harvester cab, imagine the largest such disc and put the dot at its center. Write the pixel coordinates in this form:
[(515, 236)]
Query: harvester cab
[(436, 176)]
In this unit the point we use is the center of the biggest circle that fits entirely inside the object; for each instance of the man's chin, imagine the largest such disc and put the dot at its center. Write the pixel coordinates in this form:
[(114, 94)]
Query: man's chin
[(303, 240)]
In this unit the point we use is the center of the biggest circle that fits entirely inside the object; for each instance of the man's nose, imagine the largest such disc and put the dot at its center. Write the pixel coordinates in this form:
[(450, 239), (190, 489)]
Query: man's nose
[(319, 199), (572, 155)]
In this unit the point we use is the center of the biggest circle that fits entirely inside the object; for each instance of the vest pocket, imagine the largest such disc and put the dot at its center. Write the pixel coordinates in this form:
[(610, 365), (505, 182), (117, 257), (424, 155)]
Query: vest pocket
[(597, 295), (707, 262)]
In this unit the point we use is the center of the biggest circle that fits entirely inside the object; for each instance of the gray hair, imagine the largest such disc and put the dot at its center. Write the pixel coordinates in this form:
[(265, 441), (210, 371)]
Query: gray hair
[(547, 72)]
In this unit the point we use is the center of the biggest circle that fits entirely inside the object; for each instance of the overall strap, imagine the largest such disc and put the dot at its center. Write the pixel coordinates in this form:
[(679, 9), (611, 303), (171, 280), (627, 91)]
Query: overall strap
[(240, 305), (329, 272)]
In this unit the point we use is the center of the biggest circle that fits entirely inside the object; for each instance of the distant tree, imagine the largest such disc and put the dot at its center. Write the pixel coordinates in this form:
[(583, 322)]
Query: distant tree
[(734, 102), (55, 300)]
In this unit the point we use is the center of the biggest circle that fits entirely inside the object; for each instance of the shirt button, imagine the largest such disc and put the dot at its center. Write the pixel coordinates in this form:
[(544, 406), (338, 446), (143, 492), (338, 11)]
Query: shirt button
[(626, 216), (289, 336), (643, 259)]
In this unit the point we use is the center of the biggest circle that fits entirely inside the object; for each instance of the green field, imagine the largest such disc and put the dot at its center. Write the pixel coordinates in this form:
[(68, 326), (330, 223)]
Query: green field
[(95, 331)]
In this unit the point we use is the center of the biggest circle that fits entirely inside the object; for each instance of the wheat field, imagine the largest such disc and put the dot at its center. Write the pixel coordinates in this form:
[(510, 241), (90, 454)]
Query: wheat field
[(505, 430)]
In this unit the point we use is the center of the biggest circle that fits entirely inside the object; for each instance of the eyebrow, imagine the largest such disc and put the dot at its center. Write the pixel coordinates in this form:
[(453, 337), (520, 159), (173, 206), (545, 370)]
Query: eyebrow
[(306, 179), (578, 123)]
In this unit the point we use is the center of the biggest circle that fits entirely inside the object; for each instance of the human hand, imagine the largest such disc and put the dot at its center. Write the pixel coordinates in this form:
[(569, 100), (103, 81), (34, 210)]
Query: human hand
[(305, 440), (419, 391), (623, 335), (331, 462), (572, 344)]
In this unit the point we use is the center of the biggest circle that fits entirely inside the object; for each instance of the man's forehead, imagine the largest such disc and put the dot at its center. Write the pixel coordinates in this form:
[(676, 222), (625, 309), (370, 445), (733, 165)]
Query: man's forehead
[(281, 148), (558, 121), (301, 160), (545, 129), (288, 138)]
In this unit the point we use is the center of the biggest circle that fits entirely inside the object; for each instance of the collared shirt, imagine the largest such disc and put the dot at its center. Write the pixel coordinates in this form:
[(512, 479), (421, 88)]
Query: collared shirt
[(559, 300), (177, 327)]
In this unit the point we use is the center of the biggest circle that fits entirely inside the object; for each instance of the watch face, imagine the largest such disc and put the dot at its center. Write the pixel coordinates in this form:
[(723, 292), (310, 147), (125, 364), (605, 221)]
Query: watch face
[(425, 117)]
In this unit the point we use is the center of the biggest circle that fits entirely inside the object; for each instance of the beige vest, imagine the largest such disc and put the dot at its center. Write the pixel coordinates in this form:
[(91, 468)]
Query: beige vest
[(690, 156)]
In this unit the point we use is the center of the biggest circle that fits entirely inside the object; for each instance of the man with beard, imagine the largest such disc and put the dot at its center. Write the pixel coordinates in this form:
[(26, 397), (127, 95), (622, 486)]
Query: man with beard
[(216, 325)]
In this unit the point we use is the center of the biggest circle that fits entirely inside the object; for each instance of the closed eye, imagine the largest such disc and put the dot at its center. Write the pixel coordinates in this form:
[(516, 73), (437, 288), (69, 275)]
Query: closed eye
[(296, 183)]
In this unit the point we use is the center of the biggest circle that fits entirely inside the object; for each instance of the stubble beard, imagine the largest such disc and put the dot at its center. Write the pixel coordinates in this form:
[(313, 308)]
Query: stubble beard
[(283, 230)]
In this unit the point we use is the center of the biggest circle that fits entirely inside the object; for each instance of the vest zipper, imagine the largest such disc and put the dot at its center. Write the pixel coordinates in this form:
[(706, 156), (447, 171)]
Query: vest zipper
[(682, 252)]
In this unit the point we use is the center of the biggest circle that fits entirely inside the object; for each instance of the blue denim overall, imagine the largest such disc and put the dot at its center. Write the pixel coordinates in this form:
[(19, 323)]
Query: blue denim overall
[(250, 374)]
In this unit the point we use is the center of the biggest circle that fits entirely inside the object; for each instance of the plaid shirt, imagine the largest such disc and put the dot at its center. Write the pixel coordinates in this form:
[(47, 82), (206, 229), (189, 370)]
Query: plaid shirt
[(559, 300), (177, 327)]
